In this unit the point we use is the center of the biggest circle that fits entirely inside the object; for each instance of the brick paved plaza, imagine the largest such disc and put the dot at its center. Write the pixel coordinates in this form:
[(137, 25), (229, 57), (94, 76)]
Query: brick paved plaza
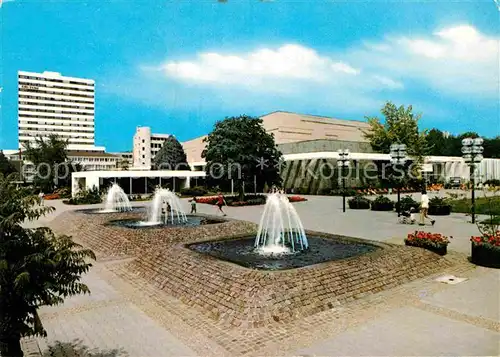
[(153, 297)]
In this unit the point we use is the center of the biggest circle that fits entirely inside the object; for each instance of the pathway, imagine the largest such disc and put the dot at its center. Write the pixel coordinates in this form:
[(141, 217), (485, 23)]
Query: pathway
[(421, 318)]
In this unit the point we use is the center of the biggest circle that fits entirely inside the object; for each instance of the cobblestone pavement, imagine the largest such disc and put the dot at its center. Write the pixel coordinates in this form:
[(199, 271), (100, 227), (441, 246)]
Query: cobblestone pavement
[(125, 315)]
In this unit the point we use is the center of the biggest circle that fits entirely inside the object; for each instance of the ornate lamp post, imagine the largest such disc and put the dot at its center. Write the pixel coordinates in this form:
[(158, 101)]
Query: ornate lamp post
[(398, 158), (343, 163), (472, 150)]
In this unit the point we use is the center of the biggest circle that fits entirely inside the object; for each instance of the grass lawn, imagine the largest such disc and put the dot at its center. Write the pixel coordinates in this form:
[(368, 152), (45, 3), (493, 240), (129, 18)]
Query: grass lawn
[(484, 205), (495, 221)]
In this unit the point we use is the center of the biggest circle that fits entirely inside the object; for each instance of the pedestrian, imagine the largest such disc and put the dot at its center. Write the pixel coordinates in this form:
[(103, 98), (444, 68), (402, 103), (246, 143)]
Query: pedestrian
[(221, 202), (41, 196), (424, 207), (193, 205)]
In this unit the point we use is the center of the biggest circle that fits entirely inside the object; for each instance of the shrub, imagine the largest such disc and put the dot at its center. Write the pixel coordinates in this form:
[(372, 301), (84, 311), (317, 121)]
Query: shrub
[(302, 191), (406, 203), (325, 191), (194, 191), (492, 182), (359, 202), (349, 192), (64, 192), (382, 203), (86, 197)]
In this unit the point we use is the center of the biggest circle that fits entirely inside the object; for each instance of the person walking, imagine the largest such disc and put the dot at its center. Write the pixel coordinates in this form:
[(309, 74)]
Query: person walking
[(41, 196), (221, 202), (424, 207), (193, 205)]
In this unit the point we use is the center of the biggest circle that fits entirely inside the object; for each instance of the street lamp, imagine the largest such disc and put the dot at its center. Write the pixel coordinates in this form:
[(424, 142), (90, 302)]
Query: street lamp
[(472, 150), (398, 158), (343, 163)]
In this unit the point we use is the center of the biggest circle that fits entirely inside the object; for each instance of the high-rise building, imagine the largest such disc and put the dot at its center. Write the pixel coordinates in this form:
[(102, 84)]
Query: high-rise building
[(146, 145), (49, 103)]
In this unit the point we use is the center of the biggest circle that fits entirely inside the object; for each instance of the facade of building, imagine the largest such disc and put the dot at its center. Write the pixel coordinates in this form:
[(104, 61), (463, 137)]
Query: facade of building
[(146, 145), (126, 159), (87, 160), (94, 161), (290, 128), (49, 103)]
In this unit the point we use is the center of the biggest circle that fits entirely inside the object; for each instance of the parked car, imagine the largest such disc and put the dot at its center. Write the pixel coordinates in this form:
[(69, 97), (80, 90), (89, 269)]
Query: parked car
[(455, 182)]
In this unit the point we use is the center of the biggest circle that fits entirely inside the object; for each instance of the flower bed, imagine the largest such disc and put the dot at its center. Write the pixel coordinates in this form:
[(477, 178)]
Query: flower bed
[(250, 200), (485, 250), (296, 199), (52, 196), (435, 242)]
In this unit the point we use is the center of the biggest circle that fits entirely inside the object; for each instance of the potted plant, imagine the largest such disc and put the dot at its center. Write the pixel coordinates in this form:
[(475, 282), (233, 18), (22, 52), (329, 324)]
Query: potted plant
[(439, 206), (407, 203), (435, 242), (359, 202), (485, 248), (382, 203)]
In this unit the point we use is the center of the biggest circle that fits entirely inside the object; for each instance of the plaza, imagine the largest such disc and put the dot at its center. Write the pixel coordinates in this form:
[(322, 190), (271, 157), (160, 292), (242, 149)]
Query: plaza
[(150, 296)]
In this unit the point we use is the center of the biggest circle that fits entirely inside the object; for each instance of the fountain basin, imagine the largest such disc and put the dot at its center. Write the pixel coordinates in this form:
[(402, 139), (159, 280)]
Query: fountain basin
[(191, 221), (243, 252), (104, 210)]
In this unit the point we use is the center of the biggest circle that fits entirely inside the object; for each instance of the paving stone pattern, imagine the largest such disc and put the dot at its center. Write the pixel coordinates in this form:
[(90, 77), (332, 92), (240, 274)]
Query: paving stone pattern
[(239, 297)]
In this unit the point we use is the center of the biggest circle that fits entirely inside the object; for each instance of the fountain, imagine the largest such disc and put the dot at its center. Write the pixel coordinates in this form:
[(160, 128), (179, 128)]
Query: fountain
[(165, 209), (116, 200), (280, 229), (281, 242)]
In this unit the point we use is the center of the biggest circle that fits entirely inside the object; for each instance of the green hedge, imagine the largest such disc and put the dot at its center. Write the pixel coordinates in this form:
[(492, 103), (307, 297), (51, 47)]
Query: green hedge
[(484, 205), (194, 191)]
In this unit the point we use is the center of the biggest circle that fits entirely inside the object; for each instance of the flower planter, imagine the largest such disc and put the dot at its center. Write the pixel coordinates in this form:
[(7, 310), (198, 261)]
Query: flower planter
[(356, 205), (439, 210), (485, 256), (441, 250), (382, 206)]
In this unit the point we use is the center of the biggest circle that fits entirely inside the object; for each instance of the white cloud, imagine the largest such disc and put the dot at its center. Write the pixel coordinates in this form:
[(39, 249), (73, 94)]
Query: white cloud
[(5, 1), (459, 62), (287, 63), (453, 60), (388, 82)]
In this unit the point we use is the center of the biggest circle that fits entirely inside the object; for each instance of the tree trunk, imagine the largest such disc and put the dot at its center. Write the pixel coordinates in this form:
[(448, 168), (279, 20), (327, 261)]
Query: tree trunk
[(10, 346)]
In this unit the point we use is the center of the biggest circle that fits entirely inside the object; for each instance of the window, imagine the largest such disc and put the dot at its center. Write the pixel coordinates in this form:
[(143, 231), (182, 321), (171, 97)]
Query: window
[(143, 156)]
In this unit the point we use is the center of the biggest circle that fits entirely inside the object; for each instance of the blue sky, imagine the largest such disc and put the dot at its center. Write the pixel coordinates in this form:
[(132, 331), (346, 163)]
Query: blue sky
[(179, 66)]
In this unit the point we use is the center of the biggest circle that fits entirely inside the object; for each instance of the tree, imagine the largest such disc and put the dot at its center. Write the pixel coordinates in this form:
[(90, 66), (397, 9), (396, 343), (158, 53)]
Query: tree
[(6, 167), (36, 267), (241, 149), (400, 126), (492, 147), (437, 143), (171, 156), (47, 156)]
